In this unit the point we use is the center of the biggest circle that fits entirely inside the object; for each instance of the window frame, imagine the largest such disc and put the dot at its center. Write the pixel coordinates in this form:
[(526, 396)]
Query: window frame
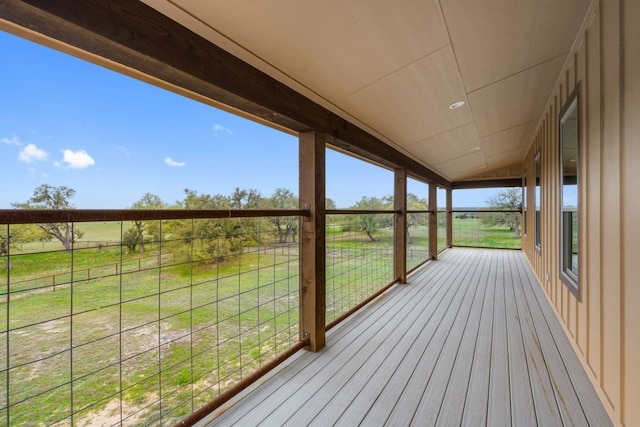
[(537, 221), (525, 204), (570, 278)]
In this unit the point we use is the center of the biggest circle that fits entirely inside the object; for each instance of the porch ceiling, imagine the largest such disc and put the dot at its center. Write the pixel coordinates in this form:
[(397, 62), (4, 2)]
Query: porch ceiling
[(393, 68)]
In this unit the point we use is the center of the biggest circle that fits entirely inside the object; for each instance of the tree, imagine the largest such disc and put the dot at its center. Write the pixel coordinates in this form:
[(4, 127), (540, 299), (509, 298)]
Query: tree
[(245, 199), (370, 222), (414, 203), (135, 236), (49, 197), (209, 239), (14, 235), (508, 199), (286, 226)]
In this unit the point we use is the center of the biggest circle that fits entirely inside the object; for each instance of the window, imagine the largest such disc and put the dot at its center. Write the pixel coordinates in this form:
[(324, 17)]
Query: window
[(524, 203), (569, 143), (537, 220)]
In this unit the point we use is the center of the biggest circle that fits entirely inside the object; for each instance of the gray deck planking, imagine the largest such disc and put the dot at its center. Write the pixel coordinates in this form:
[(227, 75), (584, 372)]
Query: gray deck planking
[(499, 403), (522, 408), (470, 340), (477, 394), (374, 373)]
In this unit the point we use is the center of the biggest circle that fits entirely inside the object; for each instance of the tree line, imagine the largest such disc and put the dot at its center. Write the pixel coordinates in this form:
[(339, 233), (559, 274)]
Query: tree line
[(219, 238), (208, 238)]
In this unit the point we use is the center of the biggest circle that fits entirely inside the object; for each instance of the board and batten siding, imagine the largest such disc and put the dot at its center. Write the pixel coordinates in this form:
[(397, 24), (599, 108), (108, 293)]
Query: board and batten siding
[(604, 322)]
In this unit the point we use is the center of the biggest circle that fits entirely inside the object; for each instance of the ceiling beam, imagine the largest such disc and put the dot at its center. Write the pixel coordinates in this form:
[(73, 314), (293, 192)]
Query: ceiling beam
[(130, 34)]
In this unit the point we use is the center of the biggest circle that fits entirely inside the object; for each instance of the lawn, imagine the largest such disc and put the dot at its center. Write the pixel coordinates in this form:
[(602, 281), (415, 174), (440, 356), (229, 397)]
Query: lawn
[(150, 328), (474, 232)]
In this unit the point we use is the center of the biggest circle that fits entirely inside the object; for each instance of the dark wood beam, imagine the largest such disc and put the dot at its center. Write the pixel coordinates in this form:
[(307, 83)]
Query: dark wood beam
[(488, 183), (312, 240), (40, 216), (449, 218), (400, 226), (138, 37), (433, 222)]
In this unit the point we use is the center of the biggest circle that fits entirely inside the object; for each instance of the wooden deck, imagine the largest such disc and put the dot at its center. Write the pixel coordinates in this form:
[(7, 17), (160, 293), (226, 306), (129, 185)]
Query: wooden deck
[(470, 340)]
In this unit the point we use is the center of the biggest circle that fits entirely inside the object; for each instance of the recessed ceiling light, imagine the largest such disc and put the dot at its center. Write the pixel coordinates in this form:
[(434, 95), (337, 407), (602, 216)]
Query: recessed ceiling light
[(456, 105), (474, 149)]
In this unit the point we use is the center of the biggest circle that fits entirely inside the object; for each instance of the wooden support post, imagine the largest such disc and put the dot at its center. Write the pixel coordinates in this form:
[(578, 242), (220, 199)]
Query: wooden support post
[(312, 239), (433, 221), (400, 226), (449, 218)]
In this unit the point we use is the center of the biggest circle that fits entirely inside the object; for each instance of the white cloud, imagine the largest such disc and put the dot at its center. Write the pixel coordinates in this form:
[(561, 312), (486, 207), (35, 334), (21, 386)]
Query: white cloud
[(12, 141), (77, 159), (32, 153), (219, 129), (169, 161)]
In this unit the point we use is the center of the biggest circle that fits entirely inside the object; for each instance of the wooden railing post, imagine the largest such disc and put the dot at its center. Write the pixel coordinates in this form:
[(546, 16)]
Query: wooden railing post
[(312, 239), (449, 218), (400, 226), (433, 221)]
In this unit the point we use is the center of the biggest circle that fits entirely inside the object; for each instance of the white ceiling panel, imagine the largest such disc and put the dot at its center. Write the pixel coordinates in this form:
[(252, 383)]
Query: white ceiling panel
[(393, 67), (448, 145), (515, 100), (506, 158), (506, 140), (498, 38), (334, 47), (412, 104), (472, 162)]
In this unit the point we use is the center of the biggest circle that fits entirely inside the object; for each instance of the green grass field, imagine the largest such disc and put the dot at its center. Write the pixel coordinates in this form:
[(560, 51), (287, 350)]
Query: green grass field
[(473, 232), (170, 323)]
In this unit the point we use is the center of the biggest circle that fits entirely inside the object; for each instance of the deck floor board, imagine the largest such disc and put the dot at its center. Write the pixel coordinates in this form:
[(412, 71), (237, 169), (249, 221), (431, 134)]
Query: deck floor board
[(469, 340)]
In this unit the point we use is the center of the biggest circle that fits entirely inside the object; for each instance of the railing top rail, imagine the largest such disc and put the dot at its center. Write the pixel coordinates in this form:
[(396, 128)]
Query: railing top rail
[(486, 211), (359, 211), (36, 216)]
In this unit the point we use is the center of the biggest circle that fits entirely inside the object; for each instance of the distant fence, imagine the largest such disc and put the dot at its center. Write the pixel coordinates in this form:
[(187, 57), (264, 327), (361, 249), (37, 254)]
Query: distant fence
[(54, 281), (78, 244)]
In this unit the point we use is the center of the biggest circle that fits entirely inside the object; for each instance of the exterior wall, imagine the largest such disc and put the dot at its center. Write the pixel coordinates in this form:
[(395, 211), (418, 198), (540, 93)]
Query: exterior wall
[(603, 322)]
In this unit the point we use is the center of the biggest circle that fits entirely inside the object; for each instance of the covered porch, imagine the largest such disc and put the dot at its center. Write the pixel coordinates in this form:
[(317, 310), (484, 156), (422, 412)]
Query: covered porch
[(453, 95), (469, 340)]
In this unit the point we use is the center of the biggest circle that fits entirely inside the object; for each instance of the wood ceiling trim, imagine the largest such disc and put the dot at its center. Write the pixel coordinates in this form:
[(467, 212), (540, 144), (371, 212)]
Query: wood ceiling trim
[(137, 36)]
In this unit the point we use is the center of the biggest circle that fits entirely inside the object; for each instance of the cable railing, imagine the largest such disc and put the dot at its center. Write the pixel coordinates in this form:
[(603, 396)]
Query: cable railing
[(417, 238), (359, 259), (212, 299), (487, 228), (170, 310), (441, 216)]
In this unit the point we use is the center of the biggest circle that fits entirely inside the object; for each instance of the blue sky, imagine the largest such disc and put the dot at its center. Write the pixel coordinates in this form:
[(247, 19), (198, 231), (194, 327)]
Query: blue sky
[(64, 121)]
